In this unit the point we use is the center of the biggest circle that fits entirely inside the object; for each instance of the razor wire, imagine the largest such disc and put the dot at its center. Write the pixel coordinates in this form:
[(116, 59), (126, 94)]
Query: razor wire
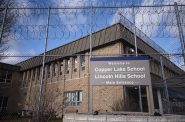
[(148, 18), (70, 22), (117, 3)]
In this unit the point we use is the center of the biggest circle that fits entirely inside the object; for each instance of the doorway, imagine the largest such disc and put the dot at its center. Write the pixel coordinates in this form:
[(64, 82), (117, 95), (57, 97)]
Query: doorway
[(135, 99)]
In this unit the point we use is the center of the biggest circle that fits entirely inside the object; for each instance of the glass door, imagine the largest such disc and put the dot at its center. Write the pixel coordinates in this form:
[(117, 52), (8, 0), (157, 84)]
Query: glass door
[(135, 99)]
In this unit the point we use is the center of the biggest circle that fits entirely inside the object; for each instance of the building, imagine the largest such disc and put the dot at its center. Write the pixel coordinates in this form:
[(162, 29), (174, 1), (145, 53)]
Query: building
[(68, 73), (9, 88)]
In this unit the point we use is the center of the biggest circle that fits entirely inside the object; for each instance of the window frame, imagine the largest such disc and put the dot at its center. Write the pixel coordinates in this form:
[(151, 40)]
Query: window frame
[(2, 103), (54, 69), (49, 71), (39, 69), (75, 64), (6, 78), (67, 67), (73, 98), (82, 62), (33, 74), (61, 68)]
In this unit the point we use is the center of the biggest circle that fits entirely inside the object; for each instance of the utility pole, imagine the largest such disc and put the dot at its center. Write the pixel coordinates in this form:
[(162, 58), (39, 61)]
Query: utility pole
[(180, 29)]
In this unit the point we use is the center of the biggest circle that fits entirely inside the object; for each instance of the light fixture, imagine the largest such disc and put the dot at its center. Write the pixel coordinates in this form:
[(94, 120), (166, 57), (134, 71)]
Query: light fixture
[(135, 88), (131, 50)]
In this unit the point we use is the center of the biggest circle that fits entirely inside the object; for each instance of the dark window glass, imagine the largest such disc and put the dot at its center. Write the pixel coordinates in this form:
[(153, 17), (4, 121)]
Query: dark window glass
[(61, 67), (68, 66), (82, 61), (55, 66), (48, 70), (33, 74), (5, 76), (3, 104), (73, 98), (39, 72), (75, 64)]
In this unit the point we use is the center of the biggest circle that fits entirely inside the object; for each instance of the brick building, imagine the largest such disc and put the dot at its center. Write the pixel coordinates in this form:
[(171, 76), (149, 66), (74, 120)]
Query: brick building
[(9, 87), (69, 72)]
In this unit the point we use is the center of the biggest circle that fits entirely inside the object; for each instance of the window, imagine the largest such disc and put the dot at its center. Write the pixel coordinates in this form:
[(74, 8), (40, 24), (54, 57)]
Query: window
[(3, 104), (75, 63), (61, 67), (157, 68), (8, 77), (5, 76), (68, 66), (27, 78), (33, 74), (73, 98), (152, 66), (55, 66), (23, 79), (82, 61), (39, 72), (38, 75), (44, 73), (48, 70), (28, 75)]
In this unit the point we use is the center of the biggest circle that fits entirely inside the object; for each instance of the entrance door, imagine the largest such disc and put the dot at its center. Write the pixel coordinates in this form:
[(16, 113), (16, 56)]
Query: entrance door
[(135, 99)]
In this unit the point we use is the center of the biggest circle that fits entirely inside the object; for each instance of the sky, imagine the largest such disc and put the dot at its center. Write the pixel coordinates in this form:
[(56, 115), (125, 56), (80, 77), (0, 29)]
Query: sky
[(28, 34)]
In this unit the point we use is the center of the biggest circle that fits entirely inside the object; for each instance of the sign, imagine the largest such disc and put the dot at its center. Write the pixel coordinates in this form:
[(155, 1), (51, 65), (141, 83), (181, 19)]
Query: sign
[(132, 70)]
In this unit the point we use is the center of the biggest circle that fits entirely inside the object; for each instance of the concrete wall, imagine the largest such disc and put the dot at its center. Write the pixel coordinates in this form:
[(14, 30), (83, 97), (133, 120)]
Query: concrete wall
[(121, 118)]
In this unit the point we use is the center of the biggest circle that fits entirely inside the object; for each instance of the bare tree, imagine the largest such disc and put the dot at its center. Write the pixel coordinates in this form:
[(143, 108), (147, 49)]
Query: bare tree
[(50, 107), (6, 22)]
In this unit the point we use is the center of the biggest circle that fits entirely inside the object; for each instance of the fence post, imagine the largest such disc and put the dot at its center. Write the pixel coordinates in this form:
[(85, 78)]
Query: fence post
[(159, 101), (165, 84), (134, 25), (135, 44), (2, 25), (90, 103), (41, 91), (181, 36)]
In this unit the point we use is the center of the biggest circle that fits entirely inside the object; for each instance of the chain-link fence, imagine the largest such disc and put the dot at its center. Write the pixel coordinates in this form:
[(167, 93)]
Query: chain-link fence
[(45, 57)]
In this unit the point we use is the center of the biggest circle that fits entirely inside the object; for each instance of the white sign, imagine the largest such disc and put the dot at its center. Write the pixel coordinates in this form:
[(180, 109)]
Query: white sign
[(120, 71)]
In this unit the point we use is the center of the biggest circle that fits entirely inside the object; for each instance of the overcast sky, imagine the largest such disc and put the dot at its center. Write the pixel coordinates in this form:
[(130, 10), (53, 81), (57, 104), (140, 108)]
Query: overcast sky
[(28, 33)]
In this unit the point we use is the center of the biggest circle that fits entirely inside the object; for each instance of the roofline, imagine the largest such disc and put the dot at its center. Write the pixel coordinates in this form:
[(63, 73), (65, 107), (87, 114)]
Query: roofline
[(94, 33), (69, 42), (6, 66)]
